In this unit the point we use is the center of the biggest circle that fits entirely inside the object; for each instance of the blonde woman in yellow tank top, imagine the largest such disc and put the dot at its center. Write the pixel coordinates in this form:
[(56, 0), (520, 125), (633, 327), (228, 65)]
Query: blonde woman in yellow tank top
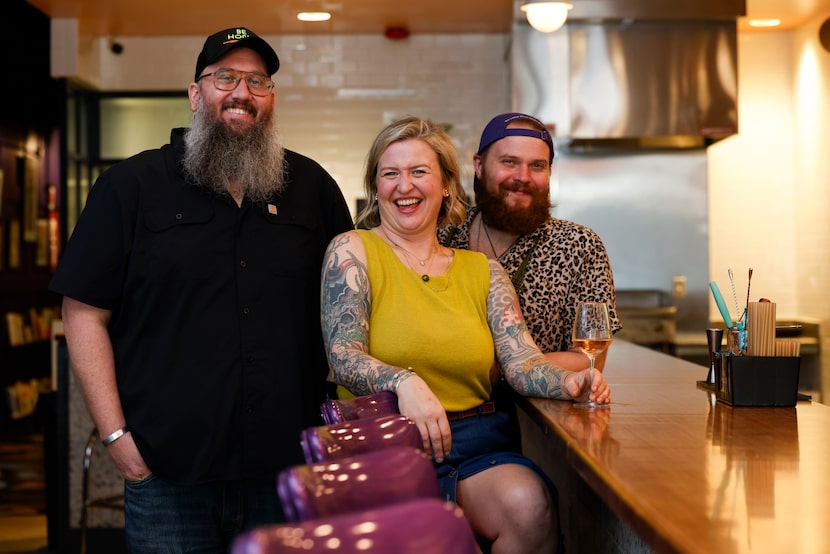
[(401, 312)]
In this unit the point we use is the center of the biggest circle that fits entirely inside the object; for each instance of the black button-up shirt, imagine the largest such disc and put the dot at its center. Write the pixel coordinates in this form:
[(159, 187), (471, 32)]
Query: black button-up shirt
[(216, 317)]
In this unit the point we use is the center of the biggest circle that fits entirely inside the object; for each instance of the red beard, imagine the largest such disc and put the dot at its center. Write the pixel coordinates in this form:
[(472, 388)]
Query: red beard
[(497, 214)]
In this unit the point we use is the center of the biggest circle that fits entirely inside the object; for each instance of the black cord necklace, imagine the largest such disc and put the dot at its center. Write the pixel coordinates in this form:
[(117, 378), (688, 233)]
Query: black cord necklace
[(518, 277), (483, 225)]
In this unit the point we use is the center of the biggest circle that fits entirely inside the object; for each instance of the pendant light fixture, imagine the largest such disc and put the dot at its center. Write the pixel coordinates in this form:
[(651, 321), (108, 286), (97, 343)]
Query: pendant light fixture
[(546, 17)]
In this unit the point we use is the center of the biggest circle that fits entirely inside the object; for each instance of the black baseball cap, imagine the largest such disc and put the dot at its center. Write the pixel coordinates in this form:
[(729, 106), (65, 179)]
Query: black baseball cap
[(219, 44), (497, 129)]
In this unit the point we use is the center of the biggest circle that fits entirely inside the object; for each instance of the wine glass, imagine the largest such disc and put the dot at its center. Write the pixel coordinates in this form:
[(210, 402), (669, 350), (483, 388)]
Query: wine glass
[(591, 334)]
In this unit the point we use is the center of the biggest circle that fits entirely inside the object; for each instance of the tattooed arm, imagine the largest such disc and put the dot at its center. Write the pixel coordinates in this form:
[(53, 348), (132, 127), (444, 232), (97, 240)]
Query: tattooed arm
[(346, 304), (525, 367)]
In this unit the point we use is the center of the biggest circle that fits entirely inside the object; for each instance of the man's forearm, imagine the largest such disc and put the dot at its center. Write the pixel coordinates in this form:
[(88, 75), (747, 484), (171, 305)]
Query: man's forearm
[(93, 363)]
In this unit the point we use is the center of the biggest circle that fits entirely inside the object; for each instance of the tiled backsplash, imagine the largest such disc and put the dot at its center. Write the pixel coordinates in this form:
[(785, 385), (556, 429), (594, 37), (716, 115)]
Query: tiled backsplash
[(334, 93)]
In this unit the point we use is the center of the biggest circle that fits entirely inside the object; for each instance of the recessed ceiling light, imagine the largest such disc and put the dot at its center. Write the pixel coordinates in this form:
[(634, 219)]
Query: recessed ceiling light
[(764, 22), (314, 16)]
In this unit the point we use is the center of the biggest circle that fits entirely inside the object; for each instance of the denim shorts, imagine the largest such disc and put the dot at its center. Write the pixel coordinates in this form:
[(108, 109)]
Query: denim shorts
[(480, 442), (169, 518)]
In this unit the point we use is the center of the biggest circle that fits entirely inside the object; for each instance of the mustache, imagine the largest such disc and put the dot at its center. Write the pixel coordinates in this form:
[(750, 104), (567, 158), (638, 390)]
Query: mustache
[(250, 107), (517, 187)]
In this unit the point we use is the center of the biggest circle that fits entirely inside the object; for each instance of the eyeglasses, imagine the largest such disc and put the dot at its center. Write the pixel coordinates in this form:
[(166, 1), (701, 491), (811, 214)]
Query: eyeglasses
[(228, 79)]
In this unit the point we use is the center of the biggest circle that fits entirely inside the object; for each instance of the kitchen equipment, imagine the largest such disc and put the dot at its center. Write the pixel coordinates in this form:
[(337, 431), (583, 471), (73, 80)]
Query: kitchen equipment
[(714, 339), (647, 319)]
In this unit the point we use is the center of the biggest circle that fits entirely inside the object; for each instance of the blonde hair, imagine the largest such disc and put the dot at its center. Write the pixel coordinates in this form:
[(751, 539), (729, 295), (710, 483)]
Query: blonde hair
[(453, 207)]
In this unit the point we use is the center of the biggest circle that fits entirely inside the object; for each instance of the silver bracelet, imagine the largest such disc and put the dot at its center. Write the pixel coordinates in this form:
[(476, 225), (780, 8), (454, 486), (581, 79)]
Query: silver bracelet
[(115, 436), (400, 377)]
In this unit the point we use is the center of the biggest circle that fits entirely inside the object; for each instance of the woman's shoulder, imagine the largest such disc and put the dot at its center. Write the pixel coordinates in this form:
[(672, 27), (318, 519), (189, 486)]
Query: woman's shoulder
[(469, 255), (364, 234), (472, 263), (470, 258), (367, 237), (352, 235), (352, 241)]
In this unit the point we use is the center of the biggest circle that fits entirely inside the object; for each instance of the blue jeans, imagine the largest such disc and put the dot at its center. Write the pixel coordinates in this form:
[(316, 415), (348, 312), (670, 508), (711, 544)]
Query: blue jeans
[(169, 518)]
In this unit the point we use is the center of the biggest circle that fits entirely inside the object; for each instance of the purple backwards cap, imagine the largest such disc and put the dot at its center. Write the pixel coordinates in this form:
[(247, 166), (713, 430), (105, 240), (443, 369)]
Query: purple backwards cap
[(497, 130)]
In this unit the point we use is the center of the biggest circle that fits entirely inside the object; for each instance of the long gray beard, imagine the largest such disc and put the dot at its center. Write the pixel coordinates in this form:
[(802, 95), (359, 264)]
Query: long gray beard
[(252, 164)]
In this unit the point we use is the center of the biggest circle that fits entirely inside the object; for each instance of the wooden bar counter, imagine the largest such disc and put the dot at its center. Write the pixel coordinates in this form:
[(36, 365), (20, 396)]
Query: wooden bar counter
[(667, 468)]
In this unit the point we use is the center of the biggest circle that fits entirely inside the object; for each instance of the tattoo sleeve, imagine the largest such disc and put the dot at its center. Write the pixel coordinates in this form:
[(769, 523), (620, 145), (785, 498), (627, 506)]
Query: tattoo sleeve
[(525, 368), (346, 304)]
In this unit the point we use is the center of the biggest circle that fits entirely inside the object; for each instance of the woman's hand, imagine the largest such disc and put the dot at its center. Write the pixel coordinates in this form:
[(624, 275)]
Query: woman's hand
[(417, 402), (582, 388)]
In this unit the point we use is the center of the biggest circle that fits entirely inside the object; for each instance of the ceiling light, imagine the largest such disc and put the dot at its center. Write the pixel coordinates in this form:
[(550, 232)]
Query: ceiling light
[(764, 22), (546, 16), (314, 16)]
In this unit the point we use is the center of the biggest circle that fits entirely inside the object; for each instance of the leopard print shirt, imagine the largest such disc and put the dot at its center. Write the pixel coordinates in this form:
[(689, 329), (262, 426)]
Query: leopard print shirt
[(568, 264)]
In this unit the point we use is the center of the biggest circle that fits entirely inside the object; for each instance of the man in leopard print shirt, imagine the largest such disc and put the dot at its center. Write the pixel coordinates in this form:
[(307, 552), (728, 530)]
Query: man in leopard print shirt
[(554, 263)]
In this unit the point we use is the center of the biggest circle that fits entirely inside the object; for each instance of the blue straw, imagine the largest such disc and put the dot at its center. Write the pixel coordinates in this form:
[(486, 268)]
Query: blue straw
[(724, 311)]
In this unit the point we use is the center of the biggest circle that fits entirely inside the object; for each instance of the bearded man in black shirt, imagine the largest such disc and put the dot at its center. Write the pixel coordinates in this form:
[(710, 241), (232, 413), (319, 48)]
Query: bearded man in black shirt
[(191, 308)]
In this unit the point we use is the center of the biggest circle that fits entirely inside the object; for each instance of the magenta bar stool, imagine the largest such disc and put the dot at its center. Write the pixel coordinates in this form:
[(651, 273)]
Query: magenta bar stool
[(359, 407), (356, 483), (330, 442), (424, 526)]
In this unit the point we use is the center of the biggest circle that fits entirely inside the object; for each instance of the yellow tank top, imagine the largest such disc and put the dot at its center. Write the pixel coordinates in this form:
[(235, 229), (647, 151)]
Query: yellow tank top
[(438, 328)]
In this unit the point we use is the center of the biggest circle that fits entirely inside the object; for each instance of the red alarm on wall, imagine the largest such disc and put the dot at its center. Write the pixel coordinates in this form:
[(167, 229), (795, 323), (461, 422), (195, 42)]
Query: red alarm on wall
[(396, 33)]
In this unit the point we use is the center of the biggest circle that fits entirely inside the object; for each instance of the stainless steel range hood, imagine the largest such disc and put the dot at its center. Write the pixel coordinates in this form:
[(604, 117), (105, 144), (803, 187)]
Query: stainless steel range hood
[(640, 72)]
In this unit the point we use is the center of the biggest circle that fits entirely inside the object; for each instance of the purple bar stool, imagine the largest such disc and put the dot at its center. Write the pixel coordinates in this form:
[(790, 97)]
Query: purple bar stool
[(330, 442), (356, 483), (359, 407), (425, 526)]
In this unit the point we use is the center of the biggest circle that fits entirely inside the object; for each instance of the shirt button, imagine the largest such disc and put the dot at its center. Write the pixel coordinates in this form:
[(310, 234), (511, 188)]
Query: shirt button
[(243, 263), (179, 216), (246, 311)]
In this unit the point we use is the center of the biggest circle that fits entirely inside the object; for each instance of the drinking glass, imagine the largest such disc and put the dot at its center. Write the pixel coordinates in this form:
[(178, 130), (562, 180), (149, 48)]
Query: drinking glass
[(591, 334)]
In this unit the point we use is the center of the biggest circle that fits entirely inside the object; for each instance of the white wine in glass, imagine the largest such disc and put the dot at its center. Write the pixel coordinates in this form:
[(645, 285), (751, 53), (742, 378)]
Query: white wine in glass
[(592, 334)]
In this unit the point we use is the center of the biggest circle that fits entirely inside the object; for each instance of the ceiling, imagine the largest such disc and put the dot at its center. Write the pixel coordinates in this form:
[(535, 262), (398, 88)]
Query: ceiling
[(197, 17)]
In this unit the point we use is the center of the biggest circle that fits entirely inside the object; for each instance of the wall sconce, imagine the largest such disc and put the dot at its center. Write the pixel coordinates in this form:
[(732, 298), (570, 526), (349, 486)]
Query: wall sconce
[(546, 16)]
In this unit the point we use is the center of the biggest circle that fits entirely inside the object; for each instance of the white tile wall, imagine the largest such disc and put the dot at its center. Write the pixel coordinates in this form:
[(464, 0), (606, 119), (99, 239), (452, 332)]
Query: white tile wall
[(458, 80)]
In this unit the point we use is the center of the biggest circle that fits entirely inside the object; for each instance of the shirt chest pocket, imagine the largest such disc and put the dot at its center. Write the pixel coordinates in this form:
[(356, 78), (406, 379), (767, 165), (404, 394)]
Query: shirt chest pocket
[(288, 244), (181, 243)]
